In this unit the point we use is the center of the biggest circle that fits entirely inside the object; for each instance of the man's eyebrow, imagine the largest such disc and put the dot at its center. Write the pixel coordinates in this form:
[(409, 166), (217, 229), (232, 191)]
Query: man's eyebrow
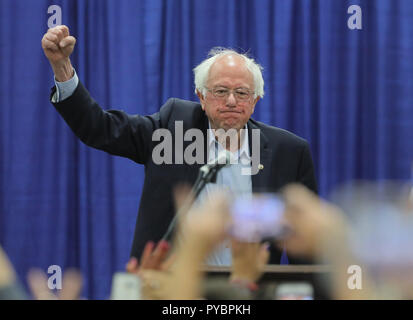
[(237, 88)]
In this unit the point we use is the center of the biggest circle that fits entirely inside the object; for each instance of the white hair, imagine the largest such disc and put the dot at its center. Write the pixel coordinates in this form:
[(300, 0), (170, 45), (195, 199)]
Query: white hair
[(201, 71)]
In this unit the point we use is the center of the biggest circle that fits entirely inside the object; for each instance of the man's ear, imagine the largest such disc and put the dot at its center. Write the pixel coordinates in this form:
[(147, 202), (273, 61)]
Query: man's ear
[(201, 99), (255, 102)]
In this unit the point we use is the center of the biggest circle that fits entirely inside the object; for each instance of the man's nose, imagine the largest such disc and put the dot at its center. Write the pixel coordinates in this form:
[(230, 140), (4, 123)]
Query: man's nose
[(231, 101)]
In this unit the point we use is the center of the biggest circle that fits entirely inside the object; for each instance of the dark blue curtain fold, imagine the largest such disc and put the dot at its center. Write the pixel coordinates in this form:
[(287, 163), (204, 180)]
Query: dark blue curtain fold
[(348, 92)]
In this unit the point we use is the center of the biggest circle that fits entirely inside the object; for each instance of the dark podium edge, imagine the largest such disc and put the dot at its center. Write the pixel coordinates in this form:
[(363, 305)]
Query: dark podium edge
[(316, 275)]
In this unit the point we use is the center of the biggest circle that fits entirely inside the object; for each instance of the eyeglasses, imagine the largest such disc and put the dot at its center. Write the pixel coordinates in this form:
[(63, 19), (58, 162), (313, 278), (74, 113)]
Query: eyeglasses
[(241, 94)]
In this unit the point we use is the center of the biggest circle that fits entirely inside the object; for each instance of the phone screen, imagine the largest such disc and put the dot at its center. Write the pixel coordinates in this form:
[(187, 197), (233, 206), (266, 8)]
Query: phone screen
[(257, 217), (294, 291)]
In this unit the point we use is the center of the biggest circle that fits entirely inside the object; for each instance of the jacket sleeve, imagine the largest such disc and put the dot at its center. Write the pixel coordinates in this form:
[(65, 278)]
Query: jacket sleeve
[(113, 131)]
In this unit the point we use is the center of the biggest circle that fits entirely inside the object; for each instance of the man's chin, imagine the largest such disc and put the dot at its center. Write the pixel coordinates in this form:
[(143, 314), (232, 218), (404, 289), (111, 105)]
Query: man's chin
[(231, 125)]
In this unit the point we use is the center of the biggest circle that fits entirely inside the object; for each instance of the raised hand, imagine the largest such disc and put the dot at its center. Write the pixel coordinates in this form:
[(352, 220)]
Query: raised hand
[(153, 258), (58, 45), (71, 286)]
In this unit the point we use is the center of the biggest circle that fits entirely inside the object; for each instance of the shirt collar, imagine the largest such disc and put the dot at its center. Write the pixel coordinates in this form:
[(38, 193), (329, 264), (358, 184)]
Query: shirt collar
[(214, 147)]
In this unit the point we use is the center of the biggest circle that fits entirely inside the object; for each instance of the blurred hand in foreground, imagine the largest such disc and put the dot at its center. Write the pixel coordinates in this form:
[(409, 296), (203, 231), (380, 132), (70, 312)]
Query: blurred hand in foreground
[(312, 222), (71, 285), (248, 260), (199, 231)]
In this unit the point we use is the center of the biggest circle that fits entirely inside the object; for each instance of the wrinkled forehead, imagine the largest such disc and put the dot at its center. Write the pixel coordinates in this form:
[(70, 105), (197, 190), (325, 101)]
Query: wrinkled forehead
[(230, 70)]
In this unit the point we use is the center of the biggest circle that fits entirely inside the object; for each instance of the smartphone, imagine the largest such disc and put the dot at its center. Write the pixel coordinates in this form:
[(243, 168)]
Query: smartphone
[(258, 217), (294, 291), (125, 286)]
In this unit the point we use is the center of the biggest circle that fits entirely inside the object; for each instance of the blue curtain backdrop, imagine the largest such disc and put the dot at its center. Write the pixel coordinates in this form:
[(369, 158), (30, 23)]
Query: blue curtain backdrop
[(349, 92)]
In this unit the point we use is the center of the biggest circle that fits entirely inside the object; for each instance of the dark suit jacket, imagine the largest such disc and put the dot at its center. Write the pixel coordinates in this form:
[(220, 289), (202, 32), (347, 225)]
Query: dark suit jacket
[(286, 157)]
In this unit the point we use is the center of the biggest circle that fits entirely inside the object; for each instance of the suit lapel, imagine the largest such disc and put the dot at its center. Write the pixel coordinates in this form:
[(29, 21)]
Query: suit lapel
[(191, 171), (261, 180)]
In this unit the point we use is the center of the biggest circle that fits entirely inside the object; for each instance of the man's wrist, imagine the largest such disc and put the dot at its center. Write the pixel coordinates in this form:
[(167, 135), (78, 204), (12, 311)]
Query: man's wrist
[(63, 70)]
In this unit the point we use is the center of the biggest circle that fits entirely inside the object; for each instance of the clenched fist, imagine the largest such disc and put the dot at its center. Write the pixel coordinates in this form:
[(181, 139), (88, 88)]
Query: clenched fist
[(57, 45)]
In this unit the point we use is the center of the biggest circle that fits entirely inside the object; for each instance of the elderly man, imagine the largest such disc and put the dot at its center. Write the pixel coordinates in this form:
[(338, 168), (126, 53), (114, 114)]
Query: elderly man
[(228, 85)]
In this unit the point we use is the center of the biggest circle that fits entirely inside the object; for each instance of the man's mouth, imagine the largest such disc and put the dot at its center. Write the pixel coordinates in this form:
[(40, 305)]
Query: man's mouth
[(231, 112)]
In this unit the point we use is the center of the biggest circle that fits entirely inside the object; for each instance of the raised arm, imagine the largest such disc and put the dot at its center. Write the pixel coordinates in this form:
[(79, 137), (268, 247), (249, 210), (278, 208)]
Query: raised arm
[(113, 131), (58, 45)]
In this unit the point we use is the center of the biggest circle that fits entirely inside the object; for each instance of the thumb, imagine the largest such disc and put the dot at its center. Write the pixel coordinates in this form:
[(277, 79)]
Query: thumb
[(132, 265), (67, 44)]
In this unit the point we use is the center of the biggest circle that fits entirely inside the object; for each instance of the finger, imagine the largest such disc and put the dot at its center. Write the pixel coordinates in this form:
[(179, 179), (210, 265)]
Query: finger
[(67, 42), (159, 255), (147, 251), (72, 285), (52, 37), (47, 44), (65, 30), (57, 32), (52, 30), (132, 266), (37, 281)]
